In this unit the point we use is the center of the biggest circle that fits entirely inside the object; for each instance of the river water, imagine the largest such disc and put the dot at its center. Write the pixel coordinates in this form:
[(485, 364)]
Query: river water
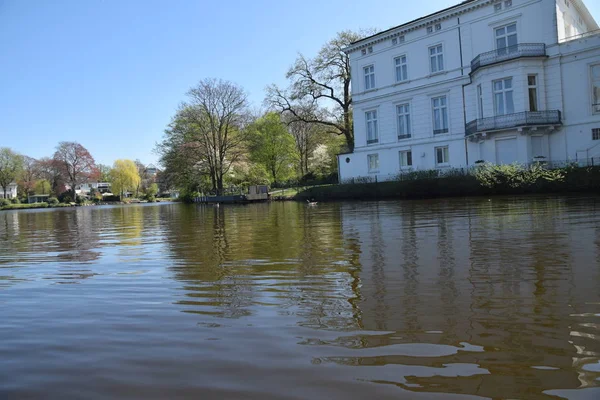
[(460, 298)]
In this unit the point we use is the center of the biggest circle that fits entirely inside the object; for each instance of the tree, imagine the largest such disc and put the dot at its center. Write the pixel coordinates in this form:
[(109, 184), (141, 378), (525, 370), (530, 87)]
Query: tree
[(49, 170), (323, 83), (11, 165), (272, 146), (207, 134), (151, 191), (30, 175), (307, 136), (124, 176), (42, 187), (75, 164), (104, 172)]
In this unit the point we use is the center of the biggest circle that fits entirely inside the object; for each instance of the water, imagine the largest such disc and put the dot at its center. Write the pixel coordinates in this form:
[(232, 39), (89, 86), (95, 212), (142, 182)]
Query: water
[(489, 298)]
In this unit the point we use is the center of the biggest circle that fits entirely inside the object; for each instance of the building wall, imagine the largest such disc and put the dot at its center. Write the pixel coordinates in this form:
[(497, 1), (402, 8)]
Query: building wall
[(464, 37), (570, 20), (11, 191)]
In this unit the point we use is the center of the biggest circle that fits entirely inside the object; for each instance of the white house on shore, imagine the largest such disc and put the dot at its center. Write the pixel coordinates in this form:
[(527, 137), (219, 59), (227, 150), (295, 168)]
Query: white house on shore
[(499, 81), (11, 191)]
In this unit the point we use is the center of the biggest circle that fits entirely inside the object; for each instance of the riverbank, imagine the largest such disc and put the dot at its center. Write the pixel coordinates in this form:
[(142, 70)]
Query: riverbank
[(583, 180), (32, 206)]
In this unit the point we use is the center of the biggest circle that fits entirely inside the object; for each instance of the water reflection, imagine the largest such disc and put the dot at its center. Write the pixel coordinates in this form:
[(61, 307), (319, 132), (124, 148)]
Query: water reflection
[(495, 298)]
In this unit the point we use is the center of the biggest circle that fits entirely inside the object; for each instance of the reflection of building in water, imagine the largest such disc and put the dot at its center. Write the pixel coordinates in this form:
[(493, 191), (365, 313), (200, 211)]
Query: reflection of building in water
[(507, 275)]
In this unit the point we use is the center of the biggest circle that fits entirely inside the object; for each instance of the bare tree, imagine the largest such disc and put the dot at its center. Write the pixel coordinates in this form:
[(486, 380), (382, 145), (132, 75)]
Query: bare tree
[(30, 174), (307, 136), (209, 129), (323, 82), (75, 163)]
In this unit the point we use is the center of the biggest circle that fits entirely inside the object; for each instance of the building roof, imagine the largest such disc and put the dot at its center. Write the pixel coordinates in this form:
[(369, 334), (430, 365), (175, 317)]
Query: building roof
[(420, 19)]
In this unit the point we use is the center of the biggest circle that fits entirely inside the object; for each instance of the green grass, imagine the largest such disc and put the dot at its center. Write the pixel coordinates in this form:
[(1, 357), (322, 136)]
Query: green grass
[(32, 206)]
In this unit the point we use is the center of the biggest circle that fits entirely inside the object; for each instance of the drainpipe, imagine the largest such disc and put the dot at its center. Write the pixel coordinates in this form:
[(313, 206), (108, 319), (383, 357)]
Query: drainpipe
[(462, 73)]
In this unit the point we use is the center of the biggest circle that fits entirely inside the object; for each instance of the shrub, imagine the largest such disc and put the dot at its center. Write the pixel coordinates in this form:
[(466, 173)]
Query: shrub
[(52, 201), (4, 202), (515, 175), (15, 200)]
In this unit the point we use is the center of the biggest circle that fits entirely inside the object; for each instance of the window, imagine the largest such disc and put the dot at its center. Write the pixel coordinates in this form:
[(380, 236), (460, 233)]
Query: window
[(537, 147), (370, 49), (440, 115), (394, 41), (403, 113), (498, 7), (401, 39), (596, 89), (430, 29), (480, 101), (595, 133), (405, 159), (363, 52), (503, 97), (438, 27), (441, 156), (369, 77), (533, 93), (372, 135), (401, 68), (373, 160), (436, 58), (506, 39), (507, 3)]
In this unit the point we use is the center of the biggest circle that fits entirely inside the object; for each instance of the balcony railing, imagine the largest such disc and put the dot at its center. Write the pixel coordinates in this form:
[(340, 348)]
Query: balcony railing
[(508, 121), (508, 53)]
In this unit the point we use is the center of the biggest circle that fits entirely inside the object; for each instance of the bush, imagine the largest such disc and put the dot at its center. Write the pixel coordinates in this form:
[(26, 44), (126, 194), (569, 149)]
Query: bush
[(515, 175), (15, 200), (52, 201), (4, 202)]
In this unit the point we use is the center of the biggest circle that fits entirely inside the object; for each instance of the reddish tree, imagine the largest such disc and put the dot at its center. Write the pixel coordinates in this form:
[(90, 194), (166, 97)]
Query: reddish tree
[(29, 175), (75, 164)]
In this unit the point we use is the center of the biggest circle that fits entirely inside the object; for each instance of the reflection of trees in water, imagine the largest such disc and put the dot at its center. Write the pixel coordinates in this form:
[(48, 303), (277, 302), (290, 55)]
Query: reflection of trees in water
[(287, 256), (65, 237)]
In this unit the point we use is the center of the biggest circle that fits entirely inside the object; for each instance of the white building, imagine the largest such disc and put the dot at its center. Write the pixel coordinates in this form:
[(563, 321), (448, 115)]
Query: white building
[(495, 80), (11, 191)]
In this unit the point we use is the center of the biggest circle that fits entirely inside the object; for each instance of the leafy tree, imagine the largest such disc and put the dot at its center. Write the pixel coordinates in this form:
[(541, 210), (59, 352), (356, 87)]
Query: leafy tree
[(151, 191), (42, 187), (321, 83), (75, 164), (11, 165), (207, 135), (307, 136), (272, 146), (124, 176)]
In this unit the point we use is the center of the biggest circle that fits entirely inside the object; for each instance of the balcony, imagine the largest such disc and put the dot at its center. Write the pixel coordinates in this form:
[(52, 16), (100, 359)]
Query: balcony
[(518, 120), (508, 53)]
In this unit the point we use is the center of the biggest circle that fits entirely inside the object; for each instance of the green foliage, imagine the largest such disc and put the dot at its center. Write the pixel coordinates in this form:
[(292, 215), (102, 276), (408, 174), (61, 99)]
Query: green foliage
[(43, 187), (188, 196), (11, 165), (4, 202), (515, 175), (151, 192), (124, 176), (15, 200), (273, 147), (52, 201), (22, 206)]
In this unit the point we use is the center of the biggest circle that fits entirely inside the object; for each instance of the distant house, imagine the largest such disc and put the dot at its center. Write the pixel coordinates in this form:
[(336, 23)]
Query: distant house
[(85, 188), (11, 191)]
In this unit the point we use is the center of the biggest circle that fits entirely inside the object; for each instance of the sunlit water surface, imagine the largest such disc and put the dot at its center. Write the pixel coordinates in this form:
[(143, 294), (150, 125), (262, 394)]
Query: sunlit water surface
[(489, 298)]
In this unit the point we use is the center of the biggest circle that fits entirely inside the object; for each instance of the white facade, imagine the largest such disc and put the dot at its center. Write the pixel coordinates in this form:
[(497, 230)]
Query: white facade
[(494, 80), (11, 191)]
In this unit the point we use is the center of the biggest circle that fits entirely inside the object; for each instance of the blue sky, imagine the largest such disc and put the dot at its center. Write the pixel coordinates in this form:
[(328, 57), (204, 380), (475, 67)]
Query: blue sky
[(110, 73)]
